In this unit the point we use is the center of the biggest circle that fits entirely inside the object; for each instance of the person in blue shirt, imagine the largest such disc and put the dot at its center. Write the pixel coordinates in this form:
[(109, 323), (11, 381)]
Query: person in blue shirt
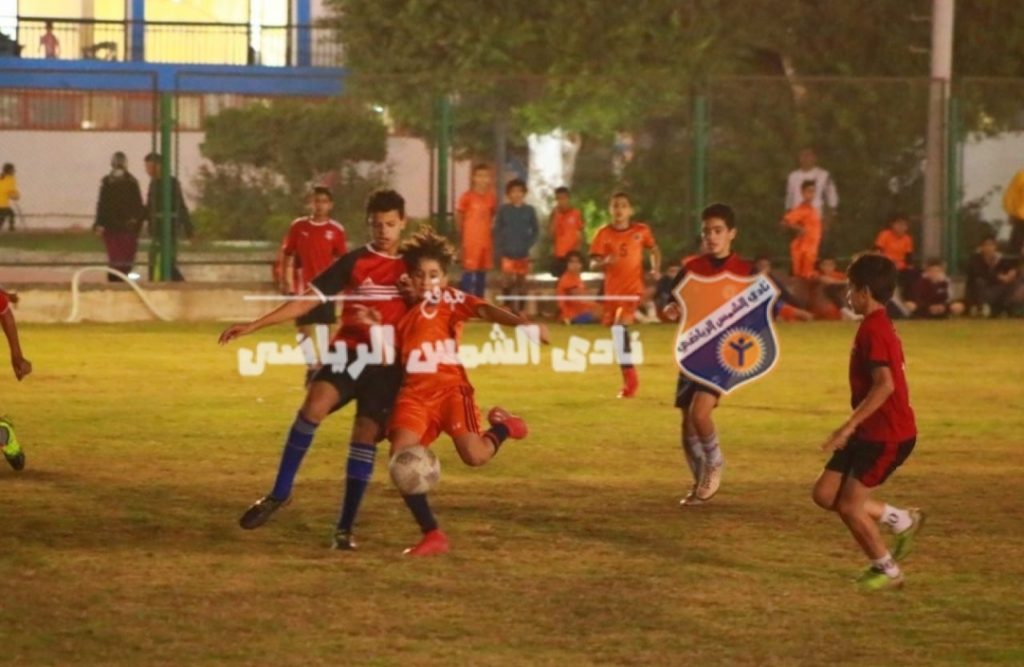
[(515, 230)]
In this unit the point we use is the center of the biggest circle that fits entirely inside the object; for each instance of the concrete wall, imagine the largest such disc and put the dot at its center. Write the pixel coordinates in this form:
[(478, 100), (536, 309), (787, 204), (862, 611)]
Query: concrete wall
[(989, 164), (59, 172)]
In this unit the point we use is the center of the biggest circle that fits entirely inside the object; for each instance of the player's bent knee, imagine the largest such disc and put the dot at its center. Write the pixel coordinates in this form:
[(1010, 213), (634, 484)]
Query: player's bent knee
[(823, 498)]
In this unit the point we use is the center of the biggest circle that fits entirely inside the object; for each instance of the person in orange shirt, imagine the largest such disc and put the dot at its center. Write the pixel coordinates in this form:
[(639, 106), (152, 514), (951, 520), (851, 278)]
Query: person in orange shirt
[(828, 294), (805, 221), (896, 243), (574, 310), (566, 230), (474, 218), (618, 248), (437, 397)]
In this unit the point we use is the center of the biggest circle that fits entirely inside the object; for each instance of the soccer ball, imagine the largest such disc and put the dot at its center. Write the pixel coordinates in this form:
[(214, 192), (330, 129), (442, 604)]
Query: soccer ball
[(415, 470)]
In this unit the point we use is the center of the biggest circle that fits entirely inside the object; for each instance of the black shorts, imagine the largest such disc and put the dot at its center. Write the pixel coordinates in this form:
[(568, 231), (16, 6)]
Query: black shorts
[(869, 462), (686, 388), (374, 391), (325, 313)]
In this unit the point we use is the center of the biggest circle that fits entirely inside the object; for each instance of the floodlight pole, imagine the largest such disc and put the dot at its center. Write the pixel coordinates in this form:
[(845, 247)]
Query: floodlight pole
[(938, 104)]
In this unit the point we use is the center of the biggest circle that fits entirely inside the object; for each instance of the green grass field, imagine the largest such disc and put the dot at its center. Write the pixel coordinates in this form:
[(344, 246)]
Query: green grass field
[(119, 542)]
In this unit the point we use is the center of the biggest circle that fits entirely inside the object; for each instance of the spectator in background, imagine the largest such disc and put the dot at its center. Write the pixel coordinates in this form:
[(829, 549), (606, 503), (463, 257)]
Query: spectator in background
[(516, 230), (994, 285), (8, 194), (181, 221), (49, 45), (570, 284), (896, 243), (805, 223), (119, 215), (566, 230), (826, 199), (1013, 204), (828, 292), (930, 296), (474, 219), (787, 308)]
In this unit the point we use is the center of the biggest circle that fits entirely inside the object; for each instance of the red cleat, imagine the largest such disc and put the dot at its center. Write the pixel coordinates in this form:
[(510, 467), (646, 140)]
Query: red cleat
[(630, 383), (517, 428), (433, 543)]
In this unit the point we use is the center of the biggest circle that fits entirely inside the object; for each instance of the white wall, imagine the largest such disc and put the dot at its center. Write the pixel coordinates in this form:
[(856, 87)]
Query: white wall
[(59, 172), (990, 162)]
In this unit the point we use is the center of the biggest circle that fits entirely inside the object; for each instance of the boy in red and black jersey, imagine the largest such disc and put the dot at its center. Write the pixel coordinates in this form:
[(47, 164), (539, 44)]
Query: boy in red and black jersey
[(368, 277), (880, 433)]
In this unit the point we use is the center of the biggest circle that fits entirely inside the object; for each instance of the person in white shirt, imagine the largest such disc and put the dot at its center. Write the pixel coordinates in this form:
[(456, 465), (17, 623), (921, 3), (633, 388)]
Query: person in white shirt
[(826, 199)]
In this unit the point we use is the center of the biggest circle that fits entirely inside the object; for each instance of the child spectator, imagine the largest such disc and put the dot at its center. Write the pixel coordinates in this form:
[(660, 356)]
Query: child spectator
[(570, 284), (566, 230), (516, 229), (930, 295), (474, 216), (828, 291), (49, 44), (8, 193), (994, 284), (805, 222), (896, 243)]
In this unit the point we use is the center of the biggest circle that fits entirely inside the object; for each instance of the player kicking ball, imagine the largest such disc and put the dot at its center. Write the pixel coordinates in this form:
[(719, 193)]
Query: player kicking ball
[(8, 442), (436, 395), (878, 436)]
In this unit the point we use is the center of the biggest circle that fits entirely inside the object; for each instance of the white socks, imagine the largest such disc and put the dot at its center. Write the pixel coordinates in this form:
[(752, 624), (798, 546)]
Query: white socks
[(886, 564), (694, 455), (898, 520), (712, 454)]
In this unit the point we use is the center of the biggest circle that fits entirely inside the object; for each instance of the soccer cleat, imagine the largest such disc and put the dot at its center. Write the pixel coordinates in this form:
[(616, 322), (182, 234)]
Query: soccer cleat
[(343, 541), (710, 480), (261, 511), (691, 499), (877, 580), (630, 383), (433, 543), (517, 428), (9, 445), (904, 543)]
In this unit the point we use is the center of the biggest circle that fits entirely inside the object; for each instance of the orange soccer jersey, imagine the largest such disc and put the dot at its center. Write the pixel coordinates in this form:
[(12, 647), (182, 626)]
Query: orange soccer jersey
[(803, 249), (571, 284), (895, 247), (436, 395), (477, 212), (567, 230), (624, 276)]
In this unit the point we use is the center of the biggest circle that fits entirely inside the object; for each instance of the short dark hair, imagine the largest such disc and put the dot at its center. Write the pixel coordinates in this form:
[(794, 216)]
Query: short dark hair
[(321, 190), (875, 272), (152, 157), (574, 254), (515, 183), (896, 217), (809, 184), (382, 201), (8, 168), (934, 261), (481, 166), (561, 190), (622, 194), (427, 244), (723, 212)]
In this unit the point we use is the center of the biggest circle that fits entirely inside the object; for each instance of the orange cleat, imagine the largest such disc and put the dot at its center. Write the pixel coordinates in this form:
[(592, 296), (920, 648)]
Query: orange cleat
[(630, 383), (517, 428), (433, 543)]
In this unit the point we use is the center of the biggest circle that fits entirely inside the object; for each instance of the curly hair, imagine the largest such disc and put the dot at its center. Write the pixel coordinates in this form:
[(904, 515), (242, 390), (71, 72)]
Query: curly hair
[(427, 244)]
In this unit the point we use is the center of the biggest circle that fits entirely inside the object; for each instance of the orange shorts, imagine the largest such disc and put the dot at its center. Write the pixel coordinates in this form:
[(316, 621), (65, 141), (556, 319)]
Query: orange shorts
[(803, 260), (626, 317), (519, 267), (477, 257), (450, 409)]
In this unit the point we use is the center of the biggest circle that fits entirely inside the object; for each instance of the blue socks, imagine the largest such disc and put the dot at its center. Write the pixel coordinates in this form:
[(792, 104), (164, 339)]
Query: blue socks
[(357, 478), (300, 437), (473, 282)]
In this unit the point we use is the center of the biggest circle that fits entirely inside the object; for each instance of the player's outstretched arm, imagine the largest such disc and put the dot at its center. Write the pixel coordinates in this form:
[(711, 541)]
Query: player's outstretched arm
[(882, 386), (491, 313), (655, 262), (283, 313), (21, 365)]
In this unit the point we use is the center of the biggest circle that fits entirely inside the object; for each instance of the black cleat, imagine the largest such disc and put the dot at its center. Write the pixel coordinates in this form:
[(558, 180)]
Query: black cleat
[(17, 461), (343, 541), (261, 511)]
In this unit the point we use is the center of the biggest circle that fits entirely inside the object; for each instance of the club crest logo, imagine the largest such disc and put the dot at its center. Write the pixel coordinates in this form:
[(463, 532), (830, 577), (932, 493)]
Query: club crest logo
[(726, 333)]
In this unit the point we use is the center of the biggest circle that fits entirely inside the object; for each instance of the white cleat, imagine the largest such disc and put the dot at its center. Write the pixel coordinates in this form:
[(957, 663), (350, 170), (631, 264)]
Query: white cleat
[(691, 499), (710, 480)]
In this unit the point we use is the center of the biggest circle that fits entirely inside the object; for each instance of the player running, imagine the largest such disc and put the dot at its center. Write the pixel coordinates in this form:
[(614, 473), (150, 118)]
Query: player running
[(12, 451), (436, 395), (880, 433), (618, 249), (370, 275)]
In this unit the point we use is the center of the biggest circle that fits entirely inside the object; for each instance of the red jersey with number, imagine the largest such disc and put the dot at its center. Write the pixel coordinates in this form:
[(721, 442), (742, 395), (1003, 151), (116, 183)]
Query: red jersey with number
[(366, 277), (624, 276), (316, 245), (875, 345), (428, 326)]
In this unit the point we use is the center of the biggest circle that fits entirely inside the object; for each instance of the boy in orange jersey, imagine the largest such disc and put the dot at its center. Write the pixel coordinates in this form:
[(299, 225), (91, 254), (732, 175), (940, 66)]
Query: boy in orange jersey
[(474, 218), (573, 310), (618, 248), (828, 294), (896, 243), (805, 221), (436, 397), (566, 230), (8, 442)]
